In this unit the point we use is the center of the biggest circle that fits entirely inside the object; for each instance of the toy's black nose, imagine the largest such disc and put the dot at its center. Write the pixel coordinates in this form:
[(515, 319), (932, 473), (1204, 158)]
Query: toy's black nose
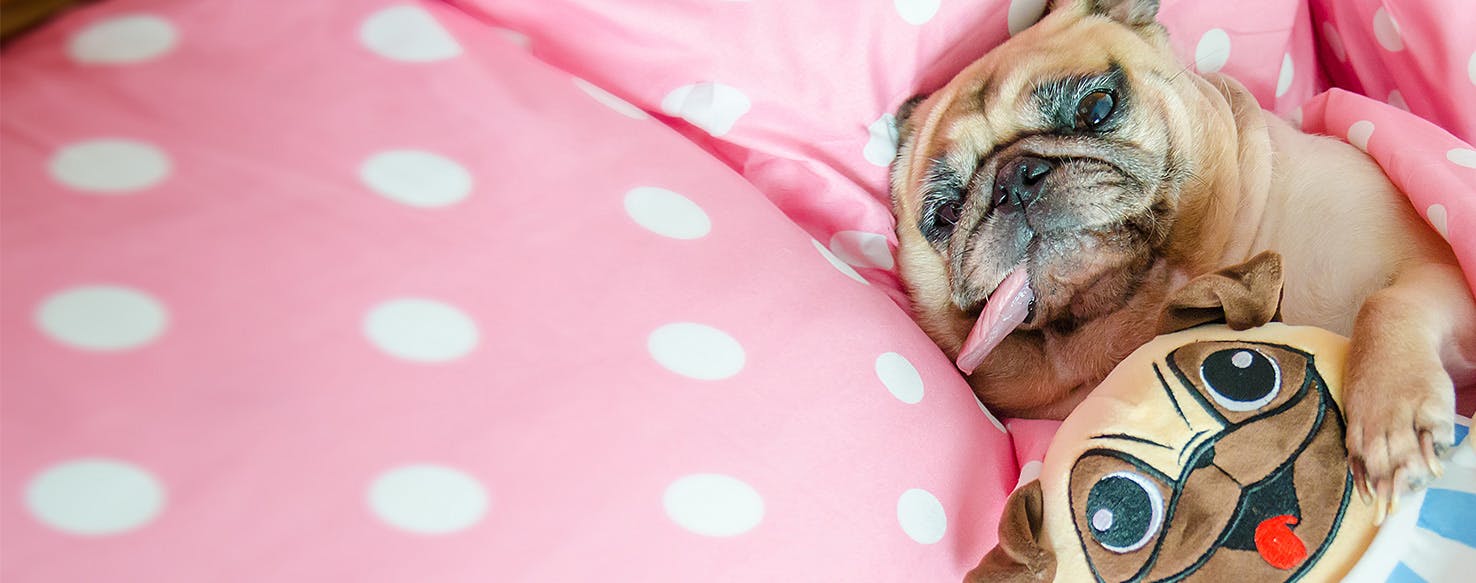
[(1019, 182)]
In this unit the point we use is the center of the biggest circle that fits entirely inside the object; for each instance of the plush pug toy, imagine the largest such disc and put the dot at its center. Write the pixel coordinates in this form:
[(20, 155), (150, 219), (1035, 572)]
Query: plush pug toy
[(1211, 454)]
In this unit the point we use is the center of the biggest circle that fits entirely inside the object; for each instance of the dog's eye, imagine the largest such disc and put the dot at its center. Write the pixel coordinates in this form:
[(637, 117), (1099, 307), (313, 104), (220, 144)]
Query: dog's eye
[(1094, 109), (1123, 511), (948, 213), (1241, 379), (938, 224)]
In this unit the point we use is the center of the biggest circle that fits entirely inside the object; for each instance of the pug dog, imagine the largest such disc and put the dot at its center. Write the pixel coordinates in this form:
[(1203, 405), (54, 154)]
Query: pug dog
[(1055, 194)]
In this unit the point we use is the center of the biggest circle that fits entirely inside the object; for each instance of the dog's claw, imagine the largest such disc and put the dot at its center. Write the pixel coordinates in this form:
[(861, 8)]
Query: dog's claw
[(1432, 461), (1381, 507), (1360, 480), (1396, 487)]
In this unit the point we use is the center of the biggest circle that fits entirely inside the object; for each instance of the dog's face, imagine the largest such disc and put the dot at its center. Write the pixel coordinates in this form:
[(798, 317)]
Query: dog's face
[(1063, 153)]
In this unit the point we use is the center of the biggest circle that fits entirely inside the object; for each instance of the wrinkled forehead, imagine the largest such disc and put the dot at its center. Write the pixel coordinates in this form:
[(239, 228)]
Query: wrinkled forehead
[(1013, 89)]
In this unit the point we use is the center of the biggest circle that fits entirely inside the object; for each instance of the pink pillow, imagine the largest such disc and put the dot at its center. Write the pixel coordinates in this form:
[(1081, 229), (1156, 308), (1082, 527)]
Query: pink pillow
[(361, 291)]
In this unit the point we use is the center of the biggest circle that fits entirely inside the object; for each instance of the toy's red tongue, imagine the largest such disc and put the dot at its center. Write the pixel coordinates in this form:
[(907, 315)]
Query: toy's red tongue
[(1006, 309), (1278, 545)]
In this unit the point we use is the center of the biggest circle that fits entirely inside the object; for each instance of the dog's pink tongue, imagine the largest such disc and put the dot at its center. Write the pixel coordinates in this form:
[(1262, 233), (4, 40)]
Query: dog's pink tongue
[(1005, 311)]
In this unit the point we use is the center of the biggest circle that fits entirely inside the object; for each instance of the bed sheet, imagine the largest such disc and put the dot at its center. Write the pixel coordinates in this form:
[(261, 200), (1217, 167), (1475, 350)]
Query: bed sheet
[(377, 290)]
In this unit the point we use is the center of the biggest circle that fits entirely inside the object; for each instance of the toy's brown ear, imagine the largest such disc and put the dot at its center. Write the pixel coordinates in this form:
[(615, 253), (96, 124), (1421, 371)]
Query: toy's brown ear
[(1020, 556), (1242, 296)]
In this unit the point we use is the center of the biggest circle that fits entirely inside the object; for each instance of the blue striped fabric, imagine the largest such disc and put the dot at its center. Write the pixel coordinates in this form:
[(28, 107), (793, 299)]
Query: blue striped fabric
[(1451, 514), (1403, 574), (1446, 511)]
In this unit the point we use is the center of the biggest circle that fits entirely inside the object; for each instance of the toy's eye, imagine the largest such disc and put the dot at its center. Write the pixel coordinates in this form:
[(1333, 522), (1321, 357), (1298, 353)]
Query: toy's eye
[(1094, 109), (1123, 511), (1241, 379)]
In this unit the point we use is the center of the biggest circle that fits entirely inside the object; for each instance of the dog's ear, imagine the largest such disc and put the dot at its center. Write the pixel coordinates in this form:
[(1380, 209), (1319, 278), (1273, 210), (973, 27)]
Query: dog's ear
[(1021, 555), (1129, 12), (903, 117), (1242, 296)]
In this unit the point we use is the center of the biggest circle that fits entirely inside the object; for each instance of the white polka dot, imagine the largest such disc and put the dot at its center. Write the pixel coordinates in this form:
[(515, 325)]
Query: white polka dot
[(1334, 41), (428, 499), (416, 178), (696, 350), (1462, 157), (862, 249), (917, 11), (407, 33), (1212, 52), (713, 504), (110, 166), (922, 516), (881, 146), (1396, 99), (609, 100), (837, 263), (102, 317), (1288, 74), (1359, 133), (421, 330), (992, 419), (1028, 473), (900, 377), (1295, 117), (122, 40), (1102, 520), (1438, 219), (712, 106), (94, 497), (666, 213), (1024, 13), (1471, 72), (1387, 30)]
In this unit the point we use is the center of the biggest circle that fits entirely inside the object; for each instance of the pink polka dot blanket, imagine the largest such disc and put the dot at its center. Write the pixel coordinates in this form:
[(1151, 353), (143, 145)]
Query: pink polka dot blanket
[(399, 290)]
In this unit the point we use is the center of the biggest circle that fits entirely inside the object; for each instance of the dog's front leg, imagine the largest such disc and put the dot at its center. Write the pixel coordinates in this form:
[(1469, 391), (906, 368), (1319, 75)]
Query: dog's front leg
[(1399, 397)]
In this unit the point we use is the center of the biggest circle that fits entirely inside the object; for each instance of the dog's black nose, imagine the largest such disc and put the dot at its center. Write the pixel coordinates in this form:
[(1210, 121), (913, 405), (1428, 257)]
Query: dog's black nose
[(1019, 182)]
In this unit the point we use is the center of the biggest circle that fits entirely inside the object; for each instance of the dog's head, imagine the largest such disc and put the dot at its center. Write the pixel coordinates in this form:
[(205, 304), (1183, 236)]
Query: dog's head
[(1067, 157)]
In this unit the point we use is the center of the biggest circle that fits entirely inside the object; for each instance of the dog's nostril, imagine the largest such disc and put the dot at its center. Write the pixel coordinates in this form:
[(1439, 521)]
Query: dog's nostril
[(1021, 181), (1032, 170)]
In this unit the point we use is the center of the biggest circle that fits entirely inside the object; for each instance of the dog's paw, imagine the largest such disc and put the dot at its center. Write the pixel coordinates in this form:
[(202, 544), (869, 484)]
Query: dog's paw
[(1399, 420)]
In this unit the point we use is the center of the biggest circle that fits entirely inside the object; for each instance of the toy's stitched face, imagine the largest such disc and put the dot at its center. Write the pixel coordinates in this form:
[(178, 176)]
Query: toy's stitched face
[(1256, 492)]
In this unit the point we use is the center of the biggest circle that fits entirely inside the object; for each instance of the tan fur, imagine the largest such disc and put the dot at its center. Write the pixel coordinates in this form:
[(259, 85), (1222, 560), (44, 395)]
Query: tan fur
[(1357, 259)]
